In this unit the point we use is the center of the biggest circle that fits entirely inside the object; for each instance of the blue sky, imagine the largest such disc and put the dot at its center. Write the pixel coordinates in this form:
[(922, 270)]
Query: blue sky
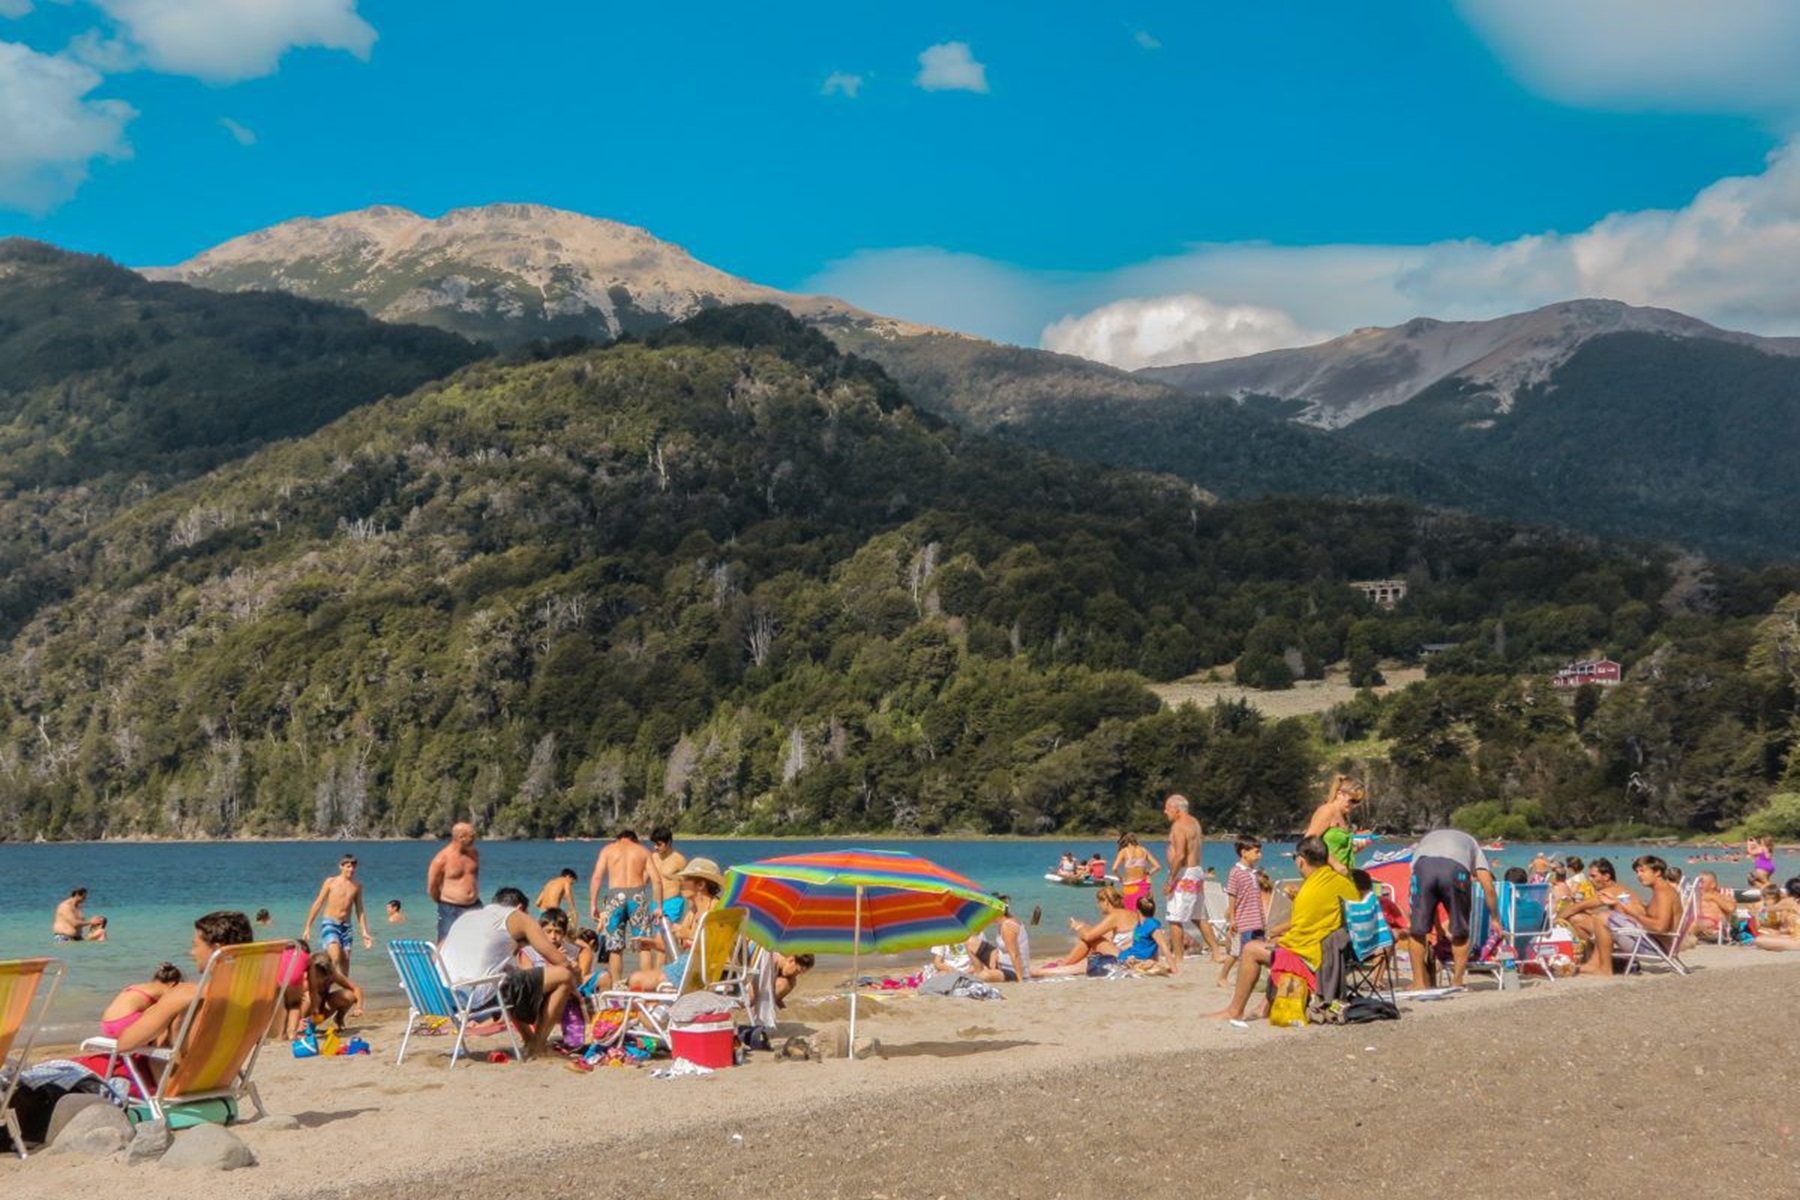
[(1008, 168)]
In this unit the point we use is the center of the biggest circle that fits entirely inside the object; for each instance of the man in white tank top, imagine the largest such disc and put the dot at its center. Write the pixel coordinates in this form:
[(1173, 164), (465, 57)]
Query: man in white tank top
[(484, 944)]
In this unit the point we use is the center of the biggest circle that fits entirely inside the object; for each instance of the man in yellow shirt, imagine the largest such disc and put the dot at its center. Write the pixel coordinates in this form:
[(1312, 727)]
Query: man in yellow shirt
[(1318, 912)]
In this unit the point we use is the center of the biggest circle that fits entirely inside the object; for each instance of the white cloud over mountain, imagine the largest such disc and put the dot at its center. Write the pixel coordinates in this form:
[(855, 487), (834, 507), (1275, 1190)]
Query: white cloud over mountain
[(1731, 256), (842, 83), (224, 41), (50, 129), (951, 67), (1165, 330)]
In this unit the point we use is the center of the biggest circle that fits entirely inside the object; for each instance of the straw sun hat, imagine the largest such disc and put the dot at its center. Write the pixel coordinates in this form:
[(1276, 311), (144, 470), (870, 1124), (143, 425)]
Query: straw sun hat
[(702, 868)]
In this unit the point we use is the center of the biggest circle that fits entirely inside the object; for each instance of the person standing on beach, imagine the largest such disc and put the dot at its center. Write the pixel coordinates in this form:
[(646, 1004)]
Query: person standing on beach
[(669, 861), (624, 868), (339, 897), (453, 881), (70, 924), (1447, 863), (1187, 879)]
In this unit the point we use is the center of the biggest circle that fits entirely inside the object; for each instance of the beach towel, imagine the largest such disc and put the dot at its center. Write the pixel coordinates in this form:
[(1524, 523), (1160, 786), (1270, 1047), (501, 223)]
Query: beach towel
[(1294, 982), (946, 984)]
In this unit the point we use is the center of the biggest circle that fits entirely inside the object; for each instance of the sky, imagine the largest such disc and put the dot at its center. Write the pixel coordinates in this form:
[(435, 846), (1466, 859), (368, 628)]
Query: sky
[(1151, 181)]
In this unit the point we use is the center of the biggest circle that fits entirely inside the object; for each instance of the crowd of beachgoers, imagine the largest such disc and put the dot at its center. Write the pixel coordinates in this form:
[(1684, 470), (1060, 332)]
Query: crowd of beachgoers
[(557, 973)]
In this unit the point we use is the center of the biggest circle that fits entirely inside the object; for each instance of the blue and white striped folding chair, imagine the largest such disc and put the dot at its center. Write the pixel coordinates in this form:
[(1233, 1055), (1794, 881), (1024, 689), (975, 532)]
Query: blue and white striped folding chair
[(1368, 968), (433, 998), (1530, 918)]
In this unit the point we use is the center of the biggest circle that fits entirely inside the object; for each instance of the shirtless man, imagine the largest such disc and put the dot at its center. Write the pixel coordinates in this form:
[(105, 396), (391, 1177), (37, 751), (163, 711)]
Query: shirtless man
[(70, 924), (1715, 908), (1613, 904), (338, 897), (623, 868), (1186, 900), (558, 893), (453, 881), (669, 861)]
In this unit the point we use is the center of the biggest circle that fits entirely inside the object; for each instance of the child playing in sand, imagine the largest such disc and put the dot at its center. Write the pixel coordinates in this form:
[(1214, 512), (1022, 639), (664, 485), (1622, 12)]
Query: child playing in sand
[(133, 1001), (788, 970)]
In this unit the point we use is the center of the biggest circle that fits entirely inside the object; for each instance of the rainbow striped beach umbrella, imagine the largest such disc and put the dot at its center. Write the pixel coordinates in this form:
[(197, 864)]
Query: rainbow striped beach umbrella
[(839, 901)]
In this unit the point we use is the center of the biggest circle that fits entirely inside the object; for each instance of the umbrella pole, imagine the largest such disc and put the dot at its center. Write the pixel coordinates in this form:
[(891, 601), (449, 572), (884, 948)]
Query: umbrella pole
[(855, 967)]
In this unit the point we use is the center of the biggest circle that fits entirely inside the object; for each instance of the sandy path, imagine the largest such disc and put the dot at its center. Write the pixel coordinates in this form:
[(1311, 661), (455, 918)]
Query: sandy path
[(1080, 1089)]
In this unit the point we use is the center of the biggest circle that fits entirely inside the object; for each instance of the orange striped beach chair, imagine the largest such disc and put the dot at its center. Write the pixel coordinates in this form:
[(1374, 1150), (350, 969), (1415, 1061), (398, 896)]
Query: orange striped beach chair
[(21, 982), (215, 1045)]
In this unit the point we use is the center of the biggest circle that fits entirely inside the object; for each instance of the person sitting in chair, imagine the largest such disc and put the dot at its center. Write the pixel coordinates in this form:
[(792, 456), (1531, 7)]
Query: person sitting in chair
[(1318, 912), (486, 941), (214, 931)]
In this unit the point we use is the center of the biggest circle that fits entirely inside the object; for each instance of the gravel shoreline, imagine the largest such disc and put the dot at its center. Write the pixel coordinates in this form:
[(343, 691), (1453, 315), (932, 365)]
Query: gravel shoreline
[(1580, 1087)]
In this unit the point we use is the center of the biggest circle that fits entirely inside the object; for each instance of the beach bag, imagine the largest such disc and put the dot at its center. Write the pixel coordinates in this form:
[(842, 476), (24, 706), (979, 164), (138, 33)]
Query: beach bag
[(1289, 1007)]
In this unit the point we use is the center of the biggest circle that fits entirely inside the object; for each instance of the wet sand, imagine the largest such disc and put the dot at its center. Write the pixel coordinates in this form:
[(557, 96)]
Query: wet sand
[(1077, 1088)]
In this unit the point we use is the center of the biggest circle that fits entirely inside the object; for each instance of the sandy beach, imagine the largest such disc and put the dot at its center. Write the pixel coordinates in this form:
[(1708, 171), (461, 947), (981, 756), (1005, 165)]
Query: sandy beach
[(1076, 1088)]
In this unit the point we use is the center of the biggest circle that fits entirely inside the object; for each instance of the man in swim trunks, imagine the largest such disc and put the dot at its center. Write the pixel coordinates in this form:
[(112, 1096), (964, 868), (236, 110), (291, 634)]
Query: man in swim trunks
[(1185, 889), (669, 861), (70, 924), (624, 868), (1445, 863), (453, 881), (339, 897)]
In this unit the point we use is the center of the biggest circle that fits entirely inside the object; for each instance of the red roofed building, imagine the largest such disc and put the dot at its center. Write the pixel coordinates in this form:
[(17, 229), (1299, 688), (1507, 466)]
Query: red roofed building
[(1603, 671)]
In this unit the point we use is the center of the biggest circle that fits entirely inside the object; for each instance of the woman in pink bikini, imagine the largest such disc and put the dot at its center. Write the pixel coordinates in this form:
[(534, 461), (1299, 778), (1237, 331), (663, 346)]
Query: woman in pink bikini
[(135, 1000), (1134, 866)]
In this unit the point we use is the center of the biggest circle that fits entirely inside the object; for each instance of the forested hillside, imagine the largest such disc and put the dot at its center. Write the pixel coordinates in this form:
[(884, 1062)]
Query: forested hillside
[(112, 388), (732, 580), (1686, 439)]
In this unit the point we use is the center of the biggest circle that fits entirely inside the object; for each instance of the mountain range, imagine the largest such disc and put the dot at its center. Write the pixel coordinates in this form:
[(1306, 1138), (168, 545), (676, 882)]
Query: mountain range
[(1593, 414), (296, 570), (1338, 382)]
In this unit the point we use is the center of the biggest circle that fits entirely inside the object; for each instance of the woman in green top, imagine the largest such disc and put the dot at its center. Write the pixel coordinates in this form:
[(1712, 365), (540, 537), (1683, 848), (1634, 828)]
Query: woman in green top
[(1331, 822)]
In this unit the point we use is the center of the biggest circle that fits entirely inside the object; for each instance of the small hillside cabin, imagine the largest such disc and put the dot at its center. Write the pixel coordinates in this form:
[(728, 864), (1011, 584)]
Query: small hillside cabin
[(1603, 671)]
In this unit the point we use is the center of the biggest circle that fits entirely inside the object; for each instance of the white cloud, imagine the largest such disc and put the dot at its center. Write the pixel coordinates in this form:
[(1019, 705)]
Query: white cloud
[(1166, 330), (842, 83), (223, 41), (243, 135), (1730, 256), (14, 8), (1689, 55), (951, 67), (50, 131), (1146, 39)]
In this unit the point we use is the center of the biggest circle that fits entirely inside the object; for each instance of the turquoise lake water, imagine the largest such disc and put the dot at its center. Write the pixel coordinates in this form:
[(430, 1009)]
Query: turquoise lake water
[(151, 892)]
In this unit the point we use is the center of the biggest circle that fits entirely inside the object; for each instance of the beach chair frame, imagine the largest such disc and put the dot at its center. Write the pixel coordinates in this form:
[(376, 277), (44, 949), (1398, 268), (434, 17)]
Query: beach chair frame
[(1369, 953), (1518, 901), (204, 1020), (24, 1002), (432, 996), (715, 965)]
